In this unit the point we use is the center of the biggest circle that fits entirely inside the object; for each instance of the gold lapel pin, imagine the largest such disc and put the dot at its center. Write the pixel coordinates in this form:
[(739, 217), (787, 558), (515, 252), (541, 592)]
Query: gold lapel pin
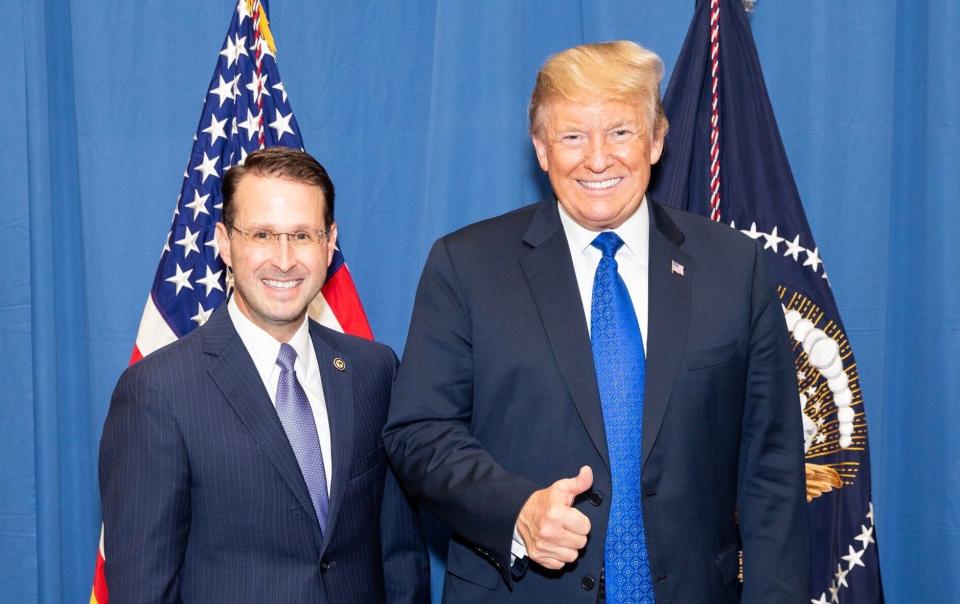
[(339, 364)]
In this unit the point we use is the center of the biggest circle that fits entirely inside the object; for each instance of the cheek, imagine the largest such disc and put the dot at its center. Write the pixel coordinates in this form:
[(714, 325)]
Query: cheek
[(639, 165), (563, 175), (247, 263)]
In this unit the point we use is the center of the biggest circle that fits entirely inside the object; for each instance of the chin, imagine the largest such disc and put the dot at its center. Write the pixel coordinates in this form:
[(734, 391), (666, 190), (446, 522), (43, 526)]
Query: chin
[(604, 221), (289, 315)]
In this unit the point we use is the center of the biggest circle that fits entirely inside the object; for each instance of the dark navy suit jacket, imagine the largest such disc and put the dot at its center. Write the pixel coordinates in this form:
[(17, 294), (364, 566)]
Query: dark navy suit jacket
[(497, 397), (203, 499)]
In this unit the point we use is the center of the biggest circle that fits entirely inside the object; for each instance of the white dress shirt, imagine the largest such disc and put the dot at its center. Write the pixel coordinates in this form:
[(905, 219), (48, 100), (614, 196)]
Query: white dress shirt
[(632, 262), (264, 349)]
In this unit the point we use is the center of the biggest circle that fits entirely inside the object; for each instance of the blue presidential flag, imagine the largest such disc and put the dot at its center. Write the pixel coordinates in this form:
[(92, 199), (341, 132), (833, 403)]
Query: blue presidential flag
[(724, 159)]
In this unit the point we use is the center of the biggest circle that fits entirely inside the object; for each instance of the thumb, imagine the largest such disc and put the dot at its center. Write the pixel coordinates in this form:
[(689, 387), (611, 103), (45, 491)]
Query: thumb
[(571, 487)]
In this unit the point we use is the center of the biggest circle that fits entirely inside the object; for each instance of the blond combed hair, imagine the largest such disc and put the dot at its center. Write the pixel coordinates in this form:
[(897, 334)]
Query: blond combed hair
[(620, 71)]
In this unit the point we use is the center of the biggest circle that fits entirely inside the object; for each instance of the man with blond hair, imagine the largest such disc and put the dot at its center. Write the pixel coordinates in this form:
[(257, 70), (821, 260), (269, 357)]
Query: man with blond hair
[(597, 392)]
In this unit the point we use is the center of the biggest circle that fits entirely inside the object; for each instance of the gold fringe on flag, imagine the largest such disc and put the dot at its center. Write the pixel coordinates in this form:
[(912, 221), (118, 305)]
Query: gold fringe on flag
[(264, 25)]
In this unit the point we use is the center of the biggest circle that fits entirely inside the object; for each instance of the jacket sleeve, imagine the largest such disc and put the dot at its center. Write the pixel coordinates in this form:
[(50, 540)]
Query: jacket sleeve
[(771, 499), (428, 433), (406, 561), (145, 493)]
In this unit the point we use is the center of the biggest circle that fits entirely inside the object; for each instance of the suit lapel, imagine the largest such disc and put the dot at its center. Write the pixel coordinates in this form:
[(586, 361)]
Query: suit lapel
[(338, 394), (235, 374), (668, 318), (553, 283)]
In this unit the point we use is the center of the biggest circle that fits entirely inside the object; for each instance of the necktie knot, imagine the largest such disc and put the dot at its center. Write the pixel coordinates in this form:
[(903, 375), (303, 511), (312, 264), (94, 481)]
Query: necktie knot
[(287, 357), (608, 243)]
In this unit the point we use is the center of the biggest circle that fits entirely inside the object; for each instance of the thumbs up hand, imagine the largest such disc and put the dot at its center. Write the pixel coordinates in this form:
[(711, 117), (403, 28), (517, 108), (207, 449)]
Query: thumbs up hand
[(553, 532)]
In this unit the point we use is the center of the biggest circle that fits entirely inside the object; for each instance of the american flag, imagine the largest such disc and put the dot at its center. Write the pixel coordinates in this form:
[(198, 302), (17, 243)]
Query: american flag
[(246, 109)]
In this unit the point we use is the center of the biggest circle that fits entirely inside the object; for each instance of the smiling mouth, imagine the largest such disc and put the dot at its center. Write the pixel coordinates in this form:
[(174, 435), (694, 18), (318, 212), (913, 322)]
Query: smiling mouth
[(600, 185), (274, 284)]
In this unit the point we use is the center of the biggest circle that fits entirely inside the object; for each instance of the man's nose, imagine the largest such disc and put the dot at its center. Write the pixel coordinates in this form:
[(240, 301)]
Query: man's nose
[(283, 256), (597, 155)]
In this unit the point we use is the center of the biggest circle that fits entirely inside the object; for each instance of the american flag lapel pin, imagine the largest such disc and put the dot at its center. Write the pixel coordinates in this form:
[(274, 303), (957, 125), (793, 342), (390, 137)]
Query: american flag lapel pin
[(676, 268)]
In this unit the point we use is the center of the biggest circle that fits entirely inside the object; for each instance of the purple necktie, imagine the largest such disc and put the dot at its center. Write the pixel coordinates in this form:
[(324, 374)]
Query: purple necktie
[(293, 407)]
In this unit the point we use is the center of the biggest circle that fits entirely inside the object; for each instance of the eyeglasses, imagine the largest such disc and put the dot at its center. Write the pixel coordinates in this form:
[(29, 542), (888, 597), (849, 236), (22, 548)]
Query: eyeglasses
[(266, 238)]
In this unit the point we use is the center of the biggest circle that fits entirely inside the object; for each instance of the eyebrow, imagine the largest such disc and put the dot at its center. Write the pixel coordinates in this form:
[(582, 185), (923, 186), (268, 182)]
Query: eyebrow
[(292, 229), (631, 123)]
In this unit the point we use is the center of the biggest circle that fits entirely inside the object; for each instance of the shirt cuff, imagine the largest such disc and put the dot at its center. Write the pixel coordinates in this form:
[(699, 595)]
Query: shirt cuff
[(517, 549)]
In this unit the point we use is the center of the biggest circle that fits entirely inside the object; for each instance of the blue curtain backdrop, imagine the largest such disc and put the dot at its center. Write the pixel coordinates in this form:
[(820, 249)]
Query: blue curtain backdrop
[(418, 111)]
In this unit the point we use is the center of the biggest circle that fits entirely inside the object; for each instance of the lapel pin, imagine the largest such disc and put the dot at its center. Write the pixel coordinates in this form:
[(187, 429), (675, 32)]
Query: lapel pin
[(339, 364), (676, 268)]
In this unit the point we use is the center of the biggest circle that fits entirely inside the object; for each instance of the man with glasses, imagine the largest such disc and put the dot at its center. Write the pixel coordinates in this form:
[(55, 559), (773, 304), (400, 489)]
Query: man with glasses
[(243, 463)]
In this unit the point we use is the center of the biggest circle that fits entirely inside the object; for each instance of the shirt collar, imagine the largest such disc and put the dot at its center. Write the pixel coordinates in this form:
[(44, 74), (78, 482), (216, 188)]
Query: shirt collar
[(263, 347), (635, 231)]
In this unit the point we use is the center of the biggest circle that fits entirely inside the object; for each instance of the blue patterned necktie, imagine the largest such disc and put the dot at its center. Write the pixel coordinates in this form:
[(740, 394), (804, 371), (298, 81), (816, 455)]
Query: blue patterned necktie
[(621, 369), (293, 407)]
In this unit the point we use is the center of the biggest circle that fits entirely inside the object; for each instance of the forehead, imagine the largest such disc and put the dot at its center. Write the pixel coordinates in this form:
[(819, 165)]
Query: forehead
[(563, 113), (274, 200)]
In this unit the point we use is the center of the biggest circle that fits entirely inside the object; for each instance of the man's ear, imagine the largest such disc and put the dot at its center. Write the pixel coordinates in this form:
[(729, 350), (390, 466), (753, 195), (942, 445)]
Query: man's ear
[(223, 243), (331, 243), (656, 148), (540, 146)]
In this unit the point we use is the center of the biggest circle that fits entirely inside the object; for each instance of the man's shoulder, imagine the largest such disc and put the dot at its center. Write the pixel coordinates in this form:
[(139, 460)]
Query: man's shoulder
[(350, 344), (489, 244), (170, 358), (702, 234), (510, 224), (373, 365)]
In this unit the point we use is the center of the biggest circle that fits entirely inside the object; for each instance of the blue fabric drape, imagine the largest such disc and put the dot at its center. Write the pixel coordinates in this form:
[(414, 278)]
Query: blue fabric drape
[(418, 111), (47, 437)]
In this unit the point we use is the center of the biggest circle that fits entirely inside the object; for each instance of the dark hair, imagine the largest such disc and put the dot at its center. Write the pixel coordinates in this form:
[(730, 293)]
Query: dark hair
[(278, 162)]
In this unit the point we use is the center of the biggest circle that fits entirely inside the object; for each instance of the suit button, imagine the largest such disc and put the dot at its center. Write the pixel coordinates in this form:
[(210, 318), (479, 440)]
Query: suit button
[(325, 565), (587, 582), (595, 498)]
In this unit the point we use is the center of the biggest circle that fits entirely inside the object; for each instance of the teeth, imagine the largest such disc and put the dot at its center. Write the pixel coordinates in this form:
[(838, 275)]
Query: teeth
[(280, 284), (600, 184)]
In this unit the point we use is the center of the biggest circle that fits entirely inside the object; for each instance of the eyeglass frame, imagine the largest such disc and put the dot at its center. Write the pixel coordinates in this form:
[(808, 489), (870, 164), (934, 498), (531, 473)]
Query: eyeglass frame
[(275, 237)]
